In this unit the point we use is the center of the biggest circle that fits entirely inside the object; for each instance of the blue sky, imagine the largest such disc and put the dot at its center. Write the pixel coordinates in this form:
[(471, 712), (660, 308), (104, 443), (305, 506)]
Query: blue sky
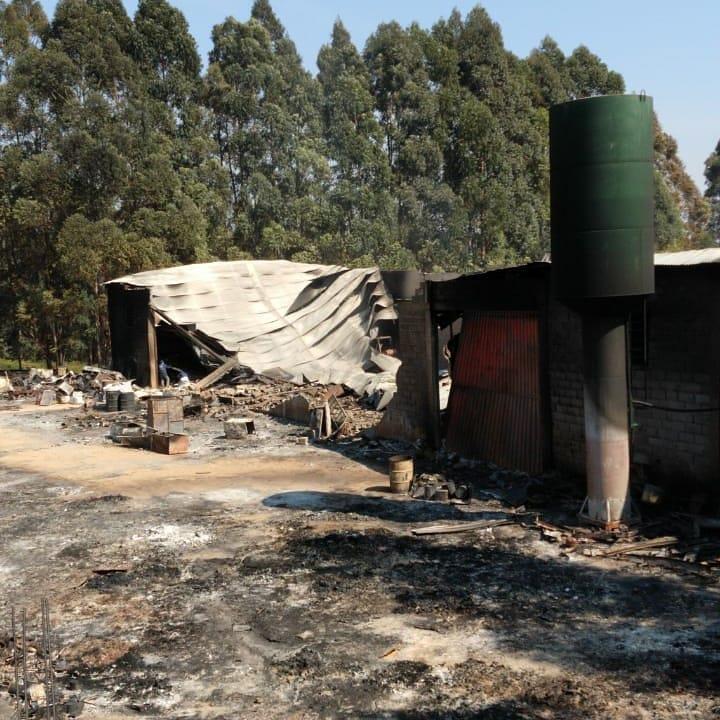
[(668, 48)]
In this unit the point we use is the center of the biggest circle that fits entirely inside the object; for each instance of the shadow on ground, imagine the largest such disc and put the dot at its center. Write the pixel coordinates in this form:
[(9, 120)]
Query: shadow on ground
[(405, 510)]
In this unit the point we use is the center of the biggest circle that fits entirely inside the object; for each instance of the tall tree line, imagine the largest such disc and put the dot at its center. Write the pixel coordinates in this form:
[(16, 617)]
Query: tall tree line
[(712, 193), (118, 153)]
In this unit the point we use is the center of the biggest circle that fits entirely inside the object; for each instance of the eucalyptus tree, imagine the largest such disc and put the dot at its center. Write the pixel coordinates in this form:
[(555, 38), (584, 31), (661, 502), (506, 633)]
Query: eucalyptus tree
[(360, 200), (712, 193), (266, 124)]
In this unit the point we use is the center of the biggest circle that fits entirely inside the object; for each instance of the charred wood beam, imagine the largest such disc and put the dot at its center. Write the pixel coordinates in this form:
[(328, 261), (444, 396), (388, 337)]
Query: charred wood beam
[(218, 373)]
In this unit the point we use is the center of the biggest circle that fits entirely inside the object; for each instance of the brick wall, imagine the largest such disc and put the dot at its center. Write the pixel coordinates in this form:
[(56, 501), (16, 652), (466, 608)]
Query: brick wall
[(566, 388), (683, 371), (412, 413)]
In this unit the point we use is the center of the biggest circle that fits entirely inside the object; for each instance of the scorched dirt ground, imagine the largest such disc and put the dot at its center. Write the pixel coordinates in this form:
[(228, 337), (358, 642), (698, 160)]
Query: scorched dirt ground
[(272, 580)]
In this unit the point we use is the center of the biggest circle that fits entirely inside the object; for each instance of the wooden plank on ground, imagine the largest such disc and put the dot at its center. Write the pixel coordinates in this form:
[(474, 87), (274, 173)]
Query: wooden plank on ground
[(465, 527), (642, 545)]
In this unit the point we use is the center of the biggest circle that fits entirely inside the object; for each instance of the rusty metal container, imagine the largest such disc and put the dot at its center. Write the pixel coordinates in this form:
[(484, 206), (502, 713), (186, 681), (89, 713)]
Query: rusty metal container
[(169, 443), (127, 402), (165, 414), (112, 400)]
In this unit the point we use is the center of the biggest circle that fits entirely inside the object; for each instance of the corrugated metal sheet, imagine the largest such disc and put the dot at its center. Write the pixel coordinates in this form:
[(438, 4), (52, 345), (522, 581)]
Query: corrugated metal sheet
[(681, 258), (495, 407), (688, 257), (305, 321)]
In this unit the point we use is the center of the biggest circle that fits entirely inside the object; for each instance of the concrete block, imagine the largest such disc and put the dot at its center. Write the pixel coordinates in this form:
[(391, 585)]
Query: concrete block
[(295, 408), (47, 397)]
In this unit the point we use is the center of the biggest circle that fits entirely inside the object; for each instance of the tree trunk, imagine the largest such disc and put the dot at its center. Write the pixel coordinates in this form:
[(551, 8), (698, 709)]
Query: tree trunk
[(56, 349), (18, 344)]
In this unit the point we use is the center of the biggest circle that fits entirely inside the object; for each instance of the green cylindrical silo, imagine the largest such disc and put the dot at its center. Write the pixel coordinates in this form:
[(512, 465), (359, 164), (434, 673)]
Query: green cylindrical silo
[(602, 197)]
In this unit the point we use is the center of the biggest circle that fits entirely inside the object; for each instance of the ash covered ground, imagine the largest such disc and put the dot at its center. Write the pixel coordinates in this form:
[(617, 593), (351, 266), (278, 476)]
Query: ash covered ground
[(261, 578)]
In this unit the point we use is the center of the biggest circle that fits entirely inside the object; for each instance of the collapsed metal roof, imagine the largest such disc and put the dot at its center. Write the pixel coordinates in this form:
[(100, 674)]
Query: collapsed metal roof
[(295, 320), (689, 257)]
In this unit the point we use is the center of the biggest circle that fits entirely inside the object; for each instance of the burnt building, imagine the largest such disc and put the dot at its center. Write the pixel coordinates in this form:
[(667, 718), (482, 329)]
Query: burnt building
[(293, 321), (517, 391)]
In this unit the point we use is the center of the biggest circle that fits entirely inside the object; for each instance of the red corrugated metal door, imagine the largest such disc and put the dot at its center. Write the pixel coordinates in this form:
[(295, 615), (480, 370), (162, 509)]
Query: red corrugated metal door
[(495, 407)]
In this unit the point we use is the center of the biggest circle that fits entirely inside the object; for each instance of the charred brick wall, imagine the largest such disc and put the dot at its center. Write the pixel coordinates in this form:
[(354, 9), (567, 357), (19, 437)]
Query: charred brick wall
[(412, 413), (682, 373), (566, 388)]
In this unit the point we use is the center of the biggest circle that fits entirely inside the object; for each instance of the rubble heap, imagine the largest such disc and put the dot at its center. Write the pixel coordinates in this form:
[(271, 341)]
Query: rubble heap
[(48, 387), (110, 400), (351, 414)]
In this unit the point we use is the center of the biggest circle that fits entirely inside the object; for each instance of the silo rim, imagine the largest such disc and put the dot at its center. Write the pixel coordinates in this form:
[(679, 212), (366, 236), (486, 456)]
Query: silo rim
[(640, 96)]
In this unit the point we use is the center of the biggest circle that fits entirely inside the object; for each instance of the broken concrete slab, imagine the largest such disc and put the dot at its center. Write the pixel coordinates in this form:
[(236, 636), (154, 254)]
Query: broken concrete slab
[(5, 384), (238, 427), (47, 397)]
